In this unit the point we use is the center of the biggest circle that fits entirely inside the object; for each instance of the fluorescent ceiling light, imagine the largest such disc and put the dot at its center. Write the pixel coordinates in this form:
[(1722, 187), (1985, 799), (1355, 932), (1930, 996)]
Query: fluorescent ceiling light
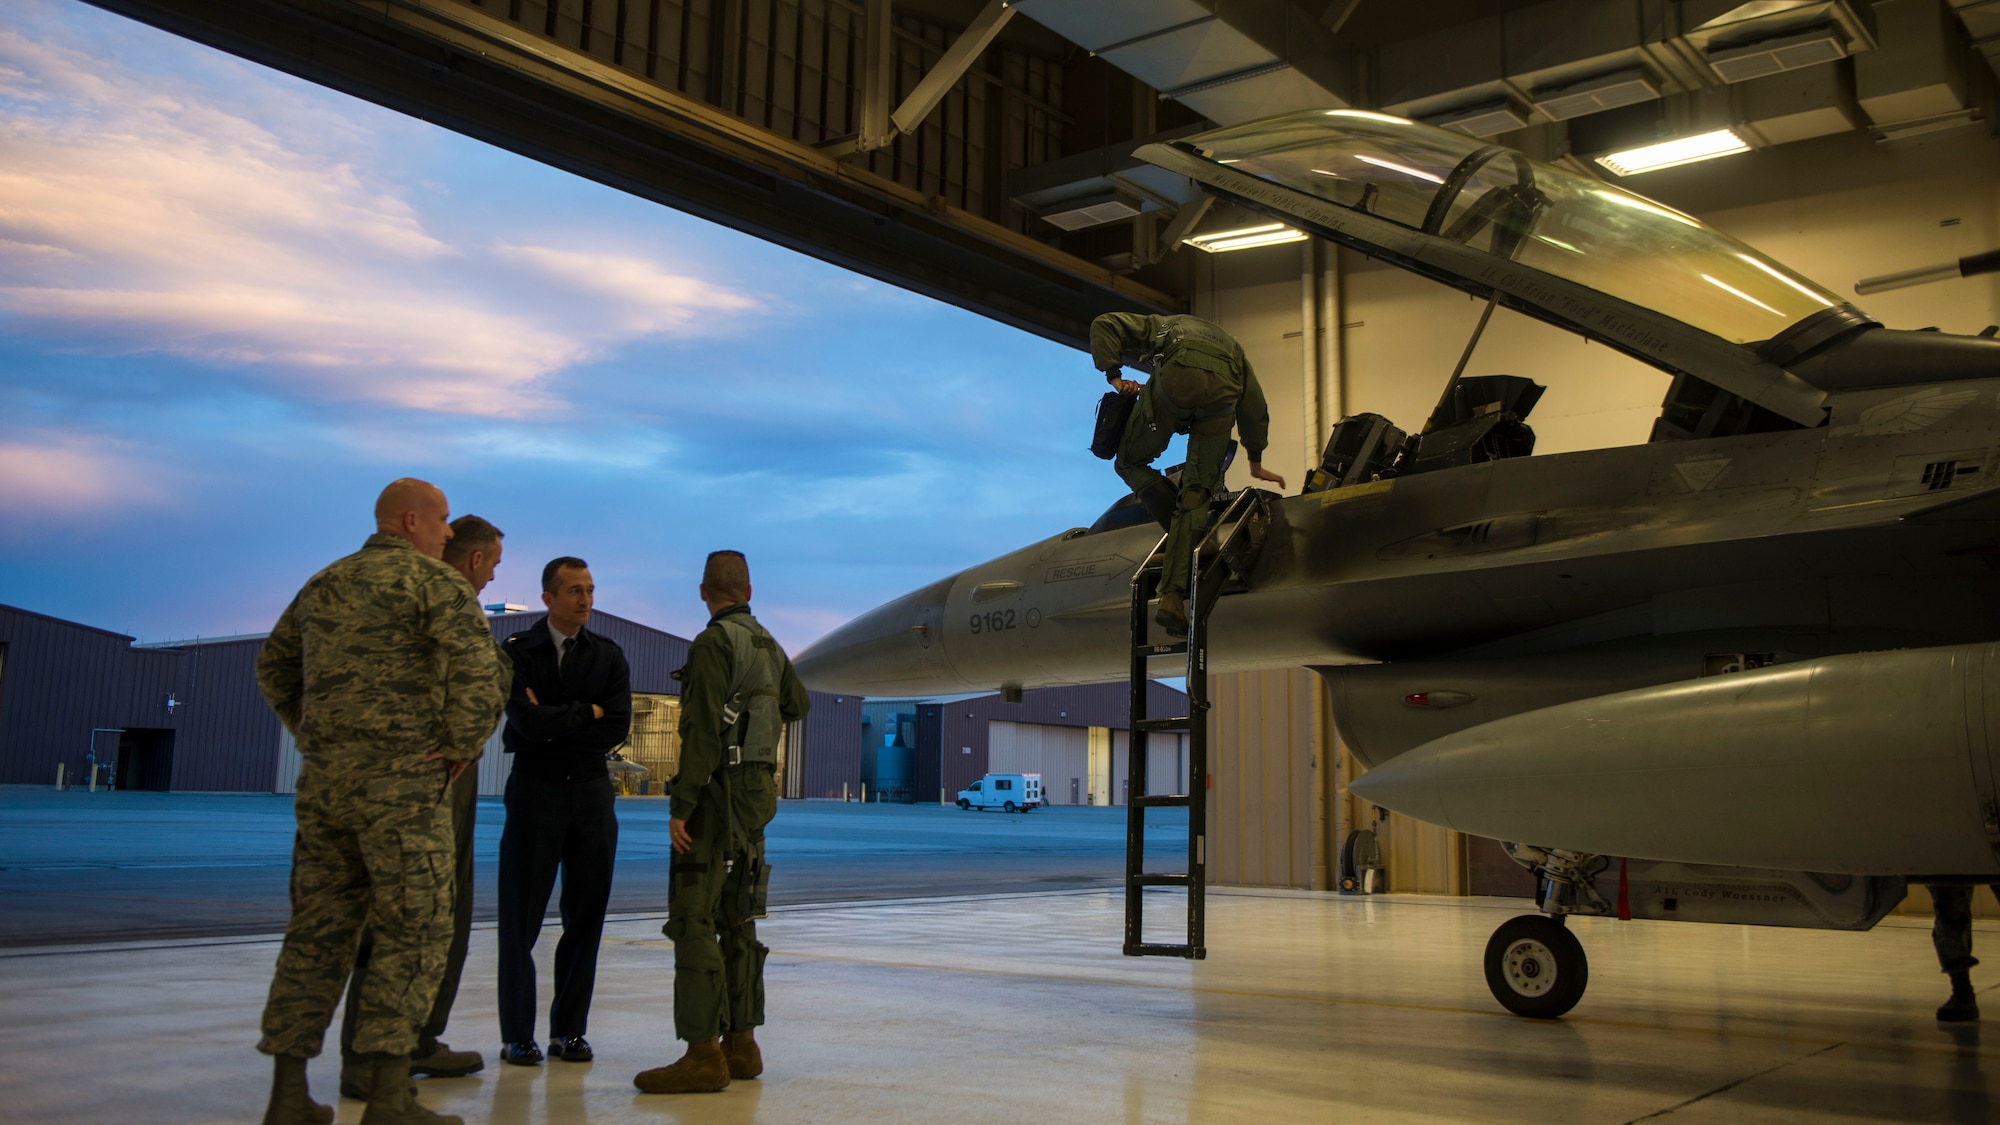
[(1245, 238), (1672, 154), (1395, 167), (1367, 115)]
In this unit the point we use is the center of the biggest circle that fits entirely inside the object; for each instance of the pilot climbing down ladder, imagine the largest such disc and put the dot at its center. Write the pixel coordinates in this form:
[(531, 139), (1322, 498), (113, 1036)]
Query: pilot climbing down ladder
[(1202, 387)]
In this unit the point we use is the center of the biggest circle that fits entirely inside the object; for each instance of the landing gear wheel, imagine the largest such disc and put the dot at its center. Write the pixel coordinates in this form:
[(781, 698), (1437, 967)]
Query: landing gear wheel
[(1009, 806), (963, 804), (1536, 967)]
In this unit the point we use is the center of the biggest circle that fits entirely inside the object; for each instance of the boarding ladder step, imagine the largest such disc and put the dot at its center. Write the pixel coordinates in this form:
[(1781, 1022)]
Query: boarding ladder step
[(1222, 563)]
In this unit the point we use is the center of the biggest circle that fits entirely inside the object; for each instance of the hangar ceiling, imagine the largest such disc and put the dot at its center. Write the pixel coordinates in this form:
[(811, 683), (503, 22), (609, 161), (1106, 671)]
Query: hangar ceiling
[(980, 151)]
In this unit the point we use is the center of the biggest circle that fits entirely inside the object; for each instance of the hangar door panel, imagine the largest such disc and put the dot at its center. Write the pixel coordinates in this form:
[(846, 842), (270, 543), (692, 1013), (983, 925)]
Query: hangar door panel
[(290, 761), (1166, 764), (494, 765), (1060, 754)]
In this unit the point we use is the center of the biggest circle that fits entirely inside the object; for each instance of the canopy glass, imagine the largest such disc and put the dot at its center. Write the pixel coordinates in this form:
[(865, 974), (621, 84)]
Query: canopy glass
[(1535, 214)]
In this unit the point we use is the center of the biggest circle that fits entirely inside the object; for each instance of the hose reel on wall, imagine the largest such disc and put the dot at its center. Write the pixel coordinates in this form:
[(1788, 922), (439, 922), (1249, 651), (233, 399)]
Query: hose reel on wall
[(1362, 871)]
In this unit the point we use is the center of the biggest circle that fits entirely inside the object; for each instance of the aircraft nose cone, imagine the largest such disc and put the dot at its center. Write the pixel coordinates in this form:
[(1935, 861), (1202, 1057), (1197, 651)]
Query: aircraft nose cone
[(894, 649), (1408, 784)]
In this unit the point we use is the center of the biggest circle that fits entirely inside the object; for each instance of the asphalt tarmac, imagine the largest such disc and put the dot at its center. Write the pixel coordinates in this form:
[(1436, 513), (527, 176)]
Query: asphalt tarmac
[(81, 867)]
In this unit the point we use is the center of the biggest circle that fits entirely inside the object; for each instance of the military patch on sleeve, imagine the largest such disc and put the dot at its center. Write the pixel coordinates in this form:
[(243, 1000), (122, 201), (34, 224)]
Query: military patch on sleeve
[(458, 599)]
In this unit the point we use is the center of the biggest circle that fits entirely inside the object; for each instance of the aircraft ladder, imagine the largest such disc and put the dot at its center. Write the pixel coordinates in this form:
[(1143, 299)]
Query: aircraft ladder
[(1222, 563)]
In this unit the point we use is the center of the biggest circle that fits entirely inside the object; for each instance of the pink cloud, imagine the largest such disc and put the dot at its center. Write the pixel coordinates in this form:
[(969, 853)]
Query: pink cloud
[(140, 214), (648, 297), (59, 480)]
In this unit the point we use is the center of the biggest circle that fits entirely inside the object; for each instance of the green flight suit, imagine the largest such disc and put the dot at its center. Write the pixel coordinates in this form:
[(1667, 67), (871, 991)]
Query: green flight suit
[(382, 659), (718, 962), (1202, 386)]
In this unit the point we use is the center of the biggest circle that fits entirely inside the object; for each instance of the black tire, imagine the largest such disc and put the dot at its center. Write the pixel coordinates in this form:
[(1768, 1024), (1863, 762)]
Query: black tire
[(964, 805), (1536, 967), (1009, 806)]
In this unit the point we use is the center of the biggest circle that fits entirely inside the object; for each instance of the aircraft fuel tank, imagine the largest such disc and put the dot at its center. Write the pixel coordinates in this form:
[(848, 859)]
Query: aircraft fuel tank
[(1877, 763)]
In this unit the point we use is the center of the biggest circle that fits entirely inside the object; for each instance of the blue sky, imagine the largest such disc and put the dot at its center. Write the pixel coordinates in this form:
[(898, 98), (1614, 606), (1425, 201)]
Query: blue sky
[(233, 305)]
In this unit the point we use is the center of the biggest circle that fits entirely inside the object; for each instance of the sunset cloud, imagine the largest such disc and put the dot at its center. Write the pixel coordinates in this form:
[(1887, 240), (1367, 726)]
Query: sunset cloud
[(646, 296), (233, 305), (139, 214), (58, 480)]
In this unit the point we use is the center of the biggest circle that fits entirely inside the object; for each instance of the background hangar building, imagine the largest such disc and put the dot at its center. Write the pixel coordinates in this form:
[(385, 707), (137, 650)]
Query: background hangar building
[(980, 153), (186, 716)]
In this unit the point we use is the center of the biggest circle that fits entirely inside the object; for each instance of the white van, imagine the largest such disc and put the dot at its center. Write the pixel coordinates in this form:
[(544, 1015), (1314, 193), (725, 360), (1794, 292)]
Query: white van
[(1011, 792)]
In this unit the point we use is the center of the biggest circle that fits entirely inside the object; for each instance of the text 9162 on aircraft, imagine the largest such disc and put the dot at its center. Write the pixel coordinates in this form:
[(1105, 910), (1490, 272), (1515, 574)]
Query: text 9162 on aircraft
[(1757, 651)]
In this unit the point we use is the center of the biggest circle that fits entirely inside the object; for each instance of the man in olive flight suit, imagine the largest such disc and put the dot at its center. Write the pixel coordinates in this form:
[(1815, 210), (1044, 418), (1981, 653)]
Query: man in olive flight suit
[(1202, 387), (737, 692), (1951, 937), (384, 670)]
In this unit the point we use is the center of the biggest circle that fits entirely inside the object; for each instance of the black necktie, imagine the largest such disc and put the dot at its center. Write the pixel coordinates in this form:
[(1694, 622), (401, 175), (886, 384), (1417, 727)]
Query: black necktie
[(562, 654)]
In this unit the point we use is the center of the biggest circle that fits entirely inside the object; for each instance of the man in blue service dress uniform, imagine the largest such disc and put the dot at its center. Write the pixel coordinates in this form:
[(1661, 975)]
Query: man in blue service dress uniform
[(571, 704)]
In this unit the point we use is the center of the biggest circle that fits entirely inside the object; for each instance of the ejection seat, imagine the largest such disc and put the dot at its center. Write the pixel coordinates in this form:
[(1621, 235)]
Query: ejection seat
[(1481, 418)]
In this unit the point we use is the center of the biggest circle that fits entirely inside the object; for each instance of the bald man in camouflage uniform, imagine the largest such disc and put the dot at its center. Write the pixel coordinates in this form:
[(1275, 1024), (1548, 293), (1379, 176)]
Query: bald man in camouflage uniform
[(1203, 387), (384, 670)]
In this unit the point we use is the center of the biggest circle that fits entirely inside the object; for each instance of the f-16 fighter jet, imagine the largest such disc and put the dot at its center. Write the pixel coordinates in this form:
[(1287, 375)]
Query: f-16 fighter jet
[(1683, 674)]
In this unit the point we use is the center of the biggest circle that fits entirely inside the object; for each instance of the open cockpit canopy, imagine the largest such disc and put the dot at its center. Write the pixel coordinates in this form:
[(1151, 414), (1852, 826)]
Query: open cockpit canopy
[(1614, 266), (1537, 214)]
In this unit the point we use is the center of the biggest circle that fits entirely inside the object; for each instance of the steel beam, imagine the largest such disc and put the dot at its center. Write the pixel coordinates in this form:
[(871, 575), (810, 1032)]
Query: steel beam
[(447, 62), (963, 52)]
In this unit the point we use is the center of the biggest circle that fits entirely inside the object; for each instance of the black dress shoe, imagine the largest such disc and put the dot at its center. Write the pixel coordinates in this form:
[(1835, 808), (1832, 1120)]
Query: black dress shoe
[(574, 1048), (524, 1053)]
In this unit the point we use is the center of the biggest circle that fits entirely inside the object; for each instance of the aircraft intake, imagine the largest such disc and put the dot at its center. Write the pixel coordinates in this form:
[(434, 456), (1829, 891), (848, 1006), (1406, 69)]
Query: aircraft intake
[(1874, 763)]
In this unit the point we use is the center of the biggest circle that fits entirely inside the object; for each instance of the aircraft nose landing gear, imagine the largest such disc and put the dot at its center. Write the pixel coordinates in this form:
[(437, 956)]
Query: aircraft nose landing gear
[(1536, 967)]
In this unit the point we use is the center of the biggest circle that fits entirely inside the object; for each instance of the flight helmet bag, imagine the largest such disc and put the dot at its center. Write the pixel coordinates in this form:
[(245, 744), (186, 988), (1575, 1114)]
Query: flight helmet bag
[(1113, 411), (752, 725)]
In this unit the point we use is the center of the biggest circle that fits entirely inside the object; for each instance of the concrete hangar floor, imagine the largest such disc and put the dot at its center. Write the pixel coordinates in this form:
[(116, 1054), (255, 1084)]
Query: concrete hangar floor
[(1018, 1007)]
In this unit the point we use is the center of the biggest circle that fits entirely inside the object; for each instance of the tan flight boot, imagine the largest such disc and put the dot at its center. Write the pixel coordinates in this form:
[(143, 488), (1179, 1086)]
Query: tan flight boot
[(392, 1097), (703, 1070), (740, 1048), (291, 1102), (1172, 614)]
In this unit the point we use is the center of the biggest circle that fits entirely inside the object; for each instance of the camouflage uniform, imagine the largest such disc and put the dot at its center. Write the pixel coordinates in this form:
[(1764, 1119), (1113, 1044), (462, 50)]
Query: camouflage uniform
[(718, 962), (382, 659), (1201, 386), (464, 817), (1951, 926)]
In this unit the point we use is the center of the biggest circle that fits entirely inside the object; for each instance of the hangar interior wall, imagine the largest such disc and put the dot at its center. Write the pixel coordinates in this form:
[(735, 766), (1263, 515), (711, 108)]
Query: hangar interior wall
[(1332, 333), (1268, 795)]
